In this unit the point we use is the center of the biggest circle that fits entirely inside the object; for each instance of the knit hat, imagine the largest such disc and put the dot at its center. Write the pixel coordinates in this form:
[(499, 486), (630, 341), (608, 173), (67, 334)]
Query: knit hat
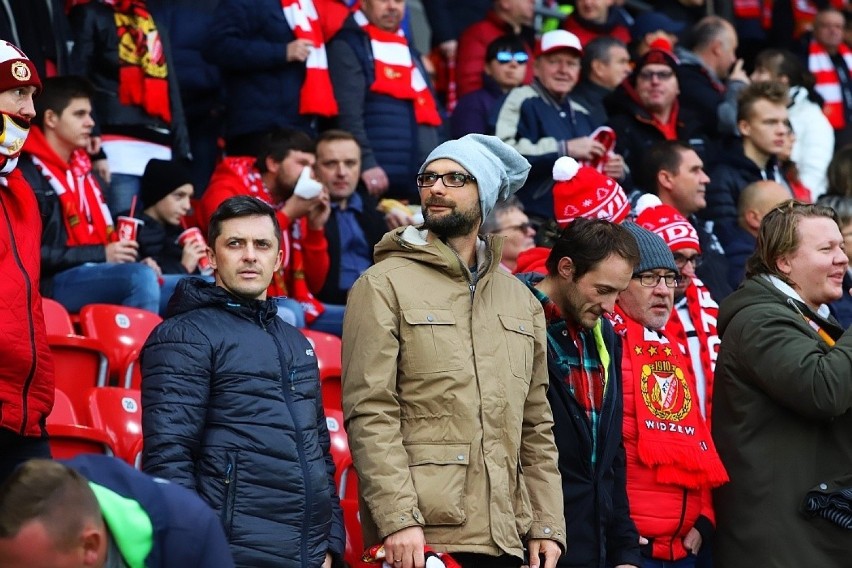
[(653, 251), (16, 69), (666, 222), (161, 177), (498, 168), (660, 53), (582, 191)]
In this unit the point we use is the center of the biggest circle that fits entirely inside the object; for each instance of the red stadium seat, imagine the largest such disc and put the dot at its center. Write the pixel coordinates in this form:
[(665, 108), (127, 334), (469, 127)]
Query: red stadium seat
[(56, 318), (348, 491), (80, 363), (327, 348), (68, 437), (122, 330), (118, 412), (339, 441)]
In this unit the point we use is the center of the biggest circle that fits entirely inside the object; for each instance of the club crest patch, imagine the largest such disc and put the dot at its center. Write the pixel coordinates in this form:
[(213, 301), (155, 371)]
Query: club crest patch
[(665, 391), (20, 71)]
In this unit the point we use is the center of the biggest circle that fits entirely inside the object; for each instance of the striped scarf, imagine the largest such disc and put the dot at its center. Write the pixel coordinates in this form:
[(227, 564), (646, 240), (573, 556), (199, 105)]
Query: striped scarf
[(317, 95), (827, 81), (396, 74)]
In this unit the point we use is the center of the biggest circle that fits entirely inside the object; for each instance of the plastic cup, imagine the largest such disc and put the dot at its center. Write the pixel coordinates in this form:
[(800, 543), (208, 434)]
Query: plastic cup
[(128, 227), (194, 234)]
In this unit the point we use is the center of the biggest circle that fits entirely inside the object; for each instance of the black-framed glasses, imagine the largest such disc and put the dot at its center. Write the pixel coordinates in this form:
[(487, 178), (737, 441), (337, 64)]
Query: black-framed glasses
[(450, 179), (681, 260), (522, 227), (508, 56), (651, 280), (649, 75)]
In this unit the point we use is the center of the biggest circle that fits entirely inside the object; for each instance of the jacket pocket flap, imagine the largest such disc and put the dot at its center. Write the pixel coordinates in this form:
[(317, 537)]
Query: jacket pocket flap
[(420, 316), (518, 325), (440, 454)]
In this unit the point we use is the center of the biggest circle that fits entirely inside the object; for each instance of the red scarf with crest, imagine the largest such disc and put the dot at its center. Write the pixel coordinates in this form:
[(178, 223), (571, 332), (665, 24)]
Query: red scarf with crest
[(289, 280), (84, 210), (672, 437), (396, 74), (317, 95), (143, 73)]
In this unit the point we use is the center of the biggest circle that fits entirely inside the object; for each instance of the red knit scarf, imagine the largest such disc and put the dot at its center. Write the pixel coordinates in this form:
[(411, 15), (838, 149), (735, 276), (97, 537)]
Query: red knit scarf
[(396, 74), (289, 280), (317, 95), (827, 83), (672, 437), (704, 313), (84, 210), (142, 74)]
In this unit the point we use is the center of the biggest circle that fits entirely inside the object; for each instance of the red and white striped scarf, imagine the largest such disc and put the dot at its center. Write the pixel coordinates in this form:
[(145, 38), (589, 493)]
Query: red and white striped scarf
[(317, 95), (827, 83), (396, 74)]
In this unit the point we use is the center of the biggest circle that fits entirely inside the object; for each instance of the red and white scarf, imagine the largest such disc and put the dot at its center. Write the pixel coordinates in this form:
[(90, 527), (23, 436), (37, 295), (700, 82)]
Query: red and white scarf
[(289, 280), (143, 75), (827, 83), (704, 313), (672, 437), (84, 210), (396, 74), (317, 95)]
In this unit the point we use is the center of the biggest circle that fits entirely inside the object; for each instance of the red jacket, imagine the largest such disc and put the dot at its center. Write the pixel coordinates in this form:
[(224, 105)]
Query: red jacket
[(473, 44), (586, 32), (26, 366)]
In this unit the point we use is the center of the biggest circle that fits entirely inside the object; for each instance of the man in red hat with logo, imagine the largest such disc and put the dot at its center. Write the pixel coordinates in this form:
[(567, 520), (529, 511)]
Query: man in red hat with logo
[(26, 372)]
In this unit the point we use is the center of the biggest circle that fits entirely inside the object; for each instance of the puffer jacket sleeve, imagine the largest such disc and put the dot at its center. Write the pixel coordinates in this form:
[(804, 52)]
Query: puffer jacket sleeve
[(177, 369), (371, 408), (539, 456)]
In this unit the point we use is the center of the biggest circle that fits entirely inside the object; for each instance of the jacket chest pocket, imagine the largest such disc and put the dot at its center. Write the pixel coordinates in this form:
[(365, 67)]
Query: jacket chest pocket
[(431, 339), (520, 340), (439, 474)]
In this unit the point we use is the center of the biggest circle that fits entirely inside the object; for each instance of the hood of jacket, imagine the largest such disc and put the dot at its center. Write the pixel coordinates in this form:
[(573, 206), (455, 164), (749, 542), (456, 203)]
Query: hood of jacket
[(422, 246), (194, 294), (37, 146)]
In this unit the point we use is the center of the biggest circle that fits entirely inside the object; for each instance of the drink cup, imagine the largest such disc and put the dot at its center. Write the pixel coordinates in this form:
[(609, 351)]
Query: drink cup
[(128, 227), (194, 234)]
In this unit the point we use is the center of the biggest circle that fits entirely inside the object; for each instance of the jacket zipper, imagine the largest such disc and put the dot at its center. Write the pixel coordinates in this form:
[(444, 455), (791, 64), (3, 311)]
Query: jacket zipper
[(25, 409), (679, 524), (230, 497), (303, 462)]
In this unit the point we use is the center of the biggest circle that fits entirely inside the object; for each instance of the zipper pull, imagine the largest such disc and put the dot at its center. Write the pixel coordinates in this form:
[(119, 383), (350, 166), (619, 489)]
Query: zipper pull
[(292, 377), (228, 474)]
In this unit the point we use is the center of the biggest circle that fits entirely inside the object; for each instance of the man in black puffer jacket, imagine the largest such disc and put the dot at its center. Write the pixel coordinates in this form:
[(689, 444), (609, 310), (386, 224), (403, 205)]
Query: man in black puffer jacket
[(231, 403)]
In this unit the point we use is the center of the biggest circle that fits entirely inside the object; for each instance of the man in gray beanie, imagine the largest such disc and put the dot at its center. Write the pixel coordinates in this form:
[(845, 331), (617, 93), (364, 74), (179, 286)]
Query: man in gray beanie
[(445, 380)]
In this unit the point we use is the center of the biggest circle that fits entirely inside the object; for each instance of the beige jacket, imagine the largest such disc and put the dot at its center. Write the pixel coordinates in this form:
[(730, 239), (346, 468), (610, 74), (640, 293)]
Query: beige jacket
[(444, 396)]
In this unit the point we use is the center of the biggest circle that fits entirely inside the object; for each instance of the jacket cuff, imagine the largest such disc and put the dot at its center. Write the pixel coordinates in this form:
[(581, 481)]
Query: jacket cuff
[(548, 530), (704, 527), (398, 520)]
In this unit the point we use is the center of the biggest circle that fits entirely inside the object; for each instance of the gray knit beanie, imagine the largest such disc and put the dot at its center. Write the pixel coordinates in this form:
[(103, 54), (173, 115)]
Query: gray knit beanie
[(498, 168), (653, 250)]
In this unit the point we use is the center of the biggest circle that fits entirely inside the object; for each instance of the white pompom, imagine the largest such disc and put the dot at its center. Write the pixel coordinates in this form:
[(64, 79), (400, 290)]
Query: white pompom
[(646, 201), (565, 168)]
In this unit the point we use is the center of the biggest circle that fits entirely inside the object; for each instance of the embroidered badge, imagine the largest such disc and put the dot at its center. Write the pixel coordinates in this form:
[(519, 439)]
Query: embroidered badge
[(665, 391), (20, 71)]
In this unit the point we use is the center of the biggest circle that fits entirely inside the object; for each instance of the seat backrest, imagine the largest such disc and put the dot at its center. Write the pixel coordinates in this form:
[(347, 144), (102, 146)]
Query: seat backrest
[(56, 318), (63, 410), (327, 348), (339, 441), (69, 440), (80, 363), (118, 412), (121, 329)]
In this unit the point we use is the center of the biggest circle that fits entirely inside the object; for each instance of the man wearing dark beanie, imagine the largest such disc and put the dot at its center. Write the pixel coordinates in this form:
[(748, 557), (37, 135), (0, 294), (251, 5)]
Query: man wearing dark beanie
[(165, 191)]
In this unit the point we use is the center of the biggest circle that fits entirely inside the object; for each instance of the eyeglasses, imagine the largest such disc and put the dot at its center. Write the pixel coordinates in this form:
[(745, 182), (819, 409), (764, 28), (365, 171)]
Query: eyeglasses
[(648, 75), (522, 227), (504, 57), (682, 260), (450, 179), (650, 280)]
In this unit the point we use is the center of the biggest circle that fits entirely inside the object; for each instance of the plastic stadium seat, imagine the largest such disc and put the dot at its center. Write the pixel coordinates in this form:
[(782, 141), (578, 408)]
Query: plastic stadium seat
[(68, 437), (80, 363), (121, 329), (339, 441), (118, 412), (56, 318), (348, 491), (327, 348)]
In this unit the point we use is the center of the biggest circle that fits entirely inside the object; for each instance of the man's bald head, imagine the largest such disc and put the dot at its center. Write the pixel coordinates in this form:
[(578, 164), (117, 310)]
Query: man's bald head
[(756, 200)]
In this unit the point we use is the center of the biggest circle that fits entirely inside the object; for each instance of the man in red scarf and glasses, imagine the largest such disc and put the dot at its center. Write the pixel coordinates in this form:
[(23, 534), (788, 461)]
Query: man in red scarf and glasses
[(26, 371)]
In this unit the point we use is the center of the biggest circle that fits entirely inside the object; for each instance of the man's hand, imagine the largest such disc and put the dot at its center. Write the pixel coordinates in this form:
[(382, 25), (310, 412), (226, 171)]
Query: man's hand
[(614, 166), (122, 251), (297, 207), (375, 180), (692, 541), (193, 252), (398, 218), (327, 563), (101, 168), (299, 49), (320, 212), (449, 49), (584, 148), (94, 145), (549, 548), (404, 548), (152, 264), (737, 73)]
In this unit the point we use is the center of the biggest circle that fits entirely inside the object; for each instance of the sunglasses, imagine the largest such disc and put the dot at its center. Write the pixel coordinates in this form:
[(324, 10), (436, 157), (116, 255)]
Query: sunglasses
[(504, 57), (649, 75)]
